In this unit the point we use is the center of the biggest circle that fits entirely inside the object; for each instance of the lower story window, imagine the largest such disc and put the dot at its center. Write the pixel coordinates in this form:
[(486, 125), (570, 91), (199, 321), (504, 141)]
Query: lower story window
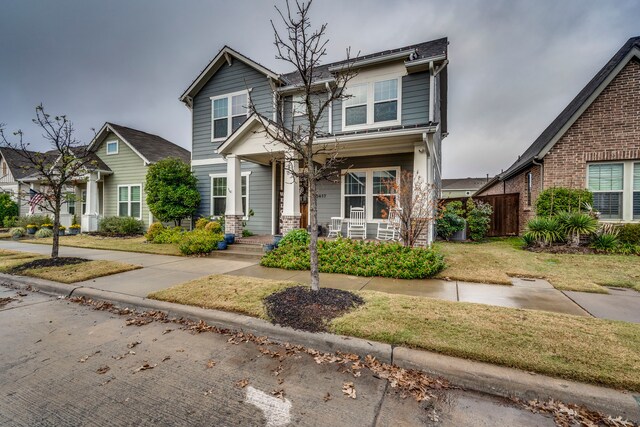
[(130, 201), (606, 181), (363, 188), (219, 195), (83, 201), (71, 203)]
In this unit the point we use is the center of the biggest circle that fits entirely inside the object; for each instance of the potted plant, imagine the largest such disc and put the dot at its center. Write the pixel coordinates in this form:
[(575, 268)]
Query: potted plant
[(32, 228), (61, 230), (48, 226), (269, 247), (276, 239), (74, 229), (222, 245), (230, 238)]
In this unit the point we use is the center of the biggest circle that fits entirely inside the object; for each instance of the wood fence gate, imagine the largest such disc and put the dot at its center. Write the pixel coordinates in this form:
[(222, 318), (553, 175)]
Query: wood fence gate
[(505, 220)]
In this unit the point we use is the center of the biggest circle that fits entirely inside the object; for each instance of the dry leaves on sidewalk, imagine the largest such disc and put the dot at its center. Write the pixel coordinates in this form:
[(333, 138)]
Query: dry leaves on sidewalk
[(349, 390), (242, 383), (86, 357), (210, 364), (103, 369), (145, 367), (133, 344)]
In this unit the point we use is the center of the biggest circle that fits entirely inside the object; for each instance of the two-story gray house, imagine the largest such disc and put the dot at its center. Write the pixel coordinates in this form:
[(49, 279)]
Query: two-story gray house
[(394, 120)]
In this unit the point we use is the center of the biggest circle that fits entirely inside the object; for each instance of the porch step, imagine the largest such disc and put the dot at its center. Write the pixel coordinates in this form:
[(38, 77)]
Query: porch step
[(244, 251)]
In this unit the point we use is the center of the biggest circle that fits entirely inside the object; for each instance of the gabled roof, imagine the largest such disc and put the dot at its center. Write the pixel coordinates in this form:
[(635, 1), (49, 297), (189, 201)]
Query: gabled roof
[(463, 183), (425, 50), (223, 56), (19, 166), (151, 148), (567, 117)]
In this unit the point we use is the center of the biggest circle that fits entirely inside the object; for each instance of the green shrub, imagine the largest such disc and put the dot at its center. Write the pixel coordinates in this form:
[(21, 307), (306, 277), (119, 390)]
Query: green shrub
[(199, 242), (605, 242), (297, 237), (10, 221), (627, 249), (8, 208), (247, 233), (153, 231), (359, 258), (17, 232), (213, 227), (528, 239), (121, 225), (169, 235), (544, 231), (37, 220), (43, 233), (575, 224), (552, 201), (629, 233), (478, 218), (201, 223), (450, 220)]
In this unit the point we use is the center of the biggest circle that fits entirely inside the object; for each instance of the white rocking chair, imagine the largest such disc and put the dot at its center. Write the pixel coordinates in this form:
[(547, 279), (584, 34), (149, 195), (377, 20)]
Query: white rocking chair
[(357, 227), (390, 229), (335, 227)]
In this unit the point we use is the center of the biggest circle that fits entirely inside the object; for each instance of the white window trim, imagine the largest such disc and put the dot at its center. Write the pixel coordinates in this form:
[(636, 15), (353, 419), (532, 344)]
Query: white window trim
[(371, 102), (229, 97), (111, 142), (246, 174), (627, 188), (368, 190), (128, 186)]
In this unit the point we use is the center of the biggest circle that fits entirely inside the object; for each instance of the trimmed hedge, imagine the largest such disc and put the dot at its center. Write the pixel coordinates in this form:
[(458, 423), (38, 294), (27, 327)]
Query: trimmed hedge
[(199, 242), (121, 225), (553, 201), (359, 258), (629, 233)]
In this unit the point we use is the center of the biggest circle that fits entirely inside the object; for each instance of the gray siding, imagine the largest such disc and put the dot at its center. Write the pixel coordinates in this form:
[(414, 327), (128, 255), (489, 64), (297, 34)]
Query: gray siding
[(337, 116), (259, 193), (228, 79), (302, 122), (415, 99)]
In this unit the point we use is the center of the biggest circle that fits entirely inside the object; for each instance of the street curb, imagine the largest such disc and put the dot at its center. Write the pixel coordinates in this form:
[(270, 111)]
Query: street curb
[(509, 382), (471, 375)]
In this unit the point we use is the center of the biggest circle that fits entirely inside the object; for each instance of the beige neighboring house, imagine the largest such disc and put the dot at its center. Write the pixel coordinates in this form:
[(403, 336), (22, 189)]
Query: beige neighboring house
[(461, 187), (114, 184), (13, 168)]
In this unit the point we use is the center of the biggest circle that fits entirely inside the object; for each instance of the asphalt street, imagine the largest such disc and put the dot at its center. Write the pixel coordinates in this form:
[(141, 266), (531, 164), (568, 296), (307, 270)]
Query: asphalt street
[(65, 364)]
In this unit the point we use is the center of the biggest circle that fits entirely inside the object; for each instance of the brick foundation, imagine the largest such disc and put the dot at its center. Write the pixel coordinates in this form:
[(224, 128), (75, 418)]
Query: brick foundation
[(423, 238), (290, 223), (233, 224)]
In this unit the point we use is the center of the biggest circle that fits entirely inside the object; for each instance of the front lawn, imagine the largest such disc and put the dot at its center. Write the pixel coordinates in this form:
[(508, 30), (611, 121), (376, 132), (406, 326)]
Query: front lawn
[(128, 244), (577, 348), (11, 261), (498, 260)]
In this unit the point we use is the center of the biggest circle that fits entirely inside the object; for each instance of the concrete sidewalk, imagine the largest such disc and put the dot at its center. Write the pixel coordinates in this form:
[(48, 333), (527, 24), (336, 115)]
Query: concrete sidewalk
[(163, 271)]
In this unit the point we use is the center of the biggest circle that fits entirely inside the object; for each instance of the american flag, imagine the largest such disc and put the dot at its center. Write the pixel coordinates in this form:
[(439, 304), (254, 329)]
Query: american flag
[(35, 200)]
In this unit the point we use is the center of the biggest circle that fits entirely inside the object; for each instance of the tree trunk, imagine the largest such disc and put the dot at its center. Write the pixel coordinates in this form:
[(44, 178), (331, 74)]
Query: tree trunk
[(313, 223), (56, 227)]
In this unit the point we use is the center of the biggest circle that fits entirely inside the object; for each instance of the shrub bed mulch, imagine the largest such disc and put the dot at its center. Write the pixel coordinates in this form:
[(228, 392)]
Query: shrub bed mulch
[(301, 308), (48, 262)]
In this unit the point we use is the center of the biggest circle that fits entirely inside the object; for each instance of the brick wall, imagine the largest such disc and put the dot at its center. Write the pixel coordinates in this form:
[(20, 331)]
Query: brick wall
[(608, 130)]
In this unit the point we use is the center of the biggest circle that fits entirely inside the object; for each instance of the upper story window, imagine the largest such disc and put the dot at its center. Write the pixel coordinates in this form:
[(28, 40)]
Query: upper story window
[(298, 106), (228, 113), (376, 102), (112, 147)]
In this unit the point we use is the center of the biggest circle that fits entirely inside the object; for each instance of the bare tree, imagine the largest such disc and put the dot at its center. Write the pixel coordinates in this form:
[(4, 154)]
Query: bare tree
[(416, 204), (303, 47), (67, 161)]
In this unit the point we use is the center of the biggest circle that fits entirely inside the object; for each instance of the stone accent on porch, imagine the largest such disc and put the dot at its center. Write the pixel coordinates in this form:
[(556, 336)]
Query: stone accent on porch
[(290, 222), (233, 224)]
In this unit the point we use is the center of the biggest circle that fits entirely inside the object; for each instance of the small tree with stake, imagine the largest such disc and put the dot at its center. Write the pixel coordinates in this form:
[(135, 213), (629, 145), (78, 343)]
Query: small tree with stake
[(67, 161), (303, 48)]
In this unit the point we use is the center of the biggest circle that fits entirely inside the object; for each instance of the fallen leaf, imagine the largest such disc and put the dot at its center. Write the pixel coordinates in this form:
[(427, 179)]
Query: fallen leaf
[(166, 358), (180, 350), (133, 344), (166, 331), (278, 393), (211, 364), (122, 356), (145, 367), (280, 381), (349, 390), (278, 370), (327, 397), (242, 383), (103, 369), (208, 392), (85, 358)]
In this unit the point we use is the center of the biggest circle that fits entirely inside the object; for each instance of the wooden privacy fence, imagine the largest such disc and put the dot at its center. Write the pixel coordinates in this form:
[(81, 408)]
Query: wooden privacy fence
[(505, 220)]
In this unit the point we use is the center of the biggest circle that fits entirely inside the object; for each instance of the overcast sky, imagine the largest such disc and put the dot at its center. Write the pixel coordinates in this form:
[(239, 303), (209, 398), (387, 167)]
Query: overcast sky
[(514, 65)]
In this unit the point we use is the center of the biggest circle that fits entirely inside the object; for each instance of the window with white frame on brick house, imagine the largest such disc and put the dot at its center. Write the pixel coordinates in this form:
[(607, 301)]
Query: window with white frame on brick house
[(616, 189)]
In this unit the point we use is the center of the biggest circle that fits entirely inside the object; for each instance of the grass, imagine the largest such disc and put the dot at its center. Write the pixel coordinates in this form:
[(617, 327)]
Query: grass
[(498, 260), (63, 274), (131, 244), (577, 348)]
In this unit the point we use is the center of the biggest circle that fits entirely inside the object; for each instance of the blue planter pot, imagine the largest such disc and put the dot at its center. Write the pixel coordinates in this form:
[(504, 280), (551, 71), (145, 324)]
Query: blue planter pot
[(269, 247), (276, 239), (230, 238), (222, 245)]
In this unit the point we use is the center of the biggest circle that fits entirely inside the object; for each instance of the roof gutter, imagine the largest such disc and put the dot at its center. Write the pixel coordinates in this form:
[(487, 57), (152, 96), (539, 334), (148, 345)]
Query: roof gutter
[(372, 61), (295, 88)]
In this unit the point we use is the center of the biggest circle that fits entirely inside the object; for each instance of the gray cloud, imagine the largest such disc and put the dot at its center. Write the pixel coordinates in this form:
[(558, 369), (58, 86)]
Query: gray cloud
[(514, 64)]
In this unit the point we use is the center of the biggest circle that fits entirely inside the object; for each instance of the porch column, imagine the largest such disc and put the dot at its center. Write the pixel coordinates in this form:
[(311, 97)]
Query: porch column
[(89, 220), (233, 212), (291, 202), (421, 169)]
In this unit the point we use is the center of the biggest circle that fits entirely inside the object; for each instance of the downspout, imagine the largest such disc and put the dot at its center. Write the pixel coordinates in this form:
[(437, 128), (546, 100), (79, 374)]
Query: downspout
[(541, 173), (432, 97), (330, 120)]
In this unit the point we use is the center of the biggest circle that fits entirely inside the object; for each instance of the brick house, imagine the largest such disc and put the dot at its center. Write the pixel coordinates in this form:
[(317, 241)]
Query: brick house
[(594, 143)]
